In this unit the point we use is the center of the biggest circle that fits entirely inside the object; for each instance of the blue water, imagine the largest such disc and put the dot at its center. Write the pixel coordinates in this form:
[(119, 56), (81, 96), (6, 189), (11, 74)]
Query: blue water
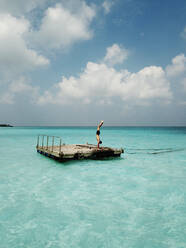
[(136, 201)]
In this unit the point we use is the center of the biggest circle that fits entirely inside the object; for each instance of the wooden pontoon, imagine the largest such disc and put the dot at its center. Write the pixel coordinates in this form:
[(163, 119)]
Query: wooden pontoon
[(46, 145)]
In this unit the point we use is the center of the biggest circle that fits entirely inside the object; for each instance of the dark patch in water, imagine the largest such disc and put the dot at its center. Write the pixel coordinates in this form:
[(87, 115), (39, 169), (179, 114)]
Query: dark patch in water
[(153, 151)]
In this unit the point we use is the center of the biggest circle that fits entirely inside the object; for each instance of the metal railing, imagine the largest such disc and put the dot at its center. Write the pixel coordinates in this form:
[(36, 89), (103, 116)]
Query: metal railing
[(44, 141)]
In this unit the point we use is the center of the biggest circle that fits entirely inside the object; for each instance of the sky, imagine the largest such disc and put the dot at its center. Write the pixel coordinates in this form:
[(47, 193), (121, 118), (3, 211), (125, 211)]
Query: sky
[(78, 62)]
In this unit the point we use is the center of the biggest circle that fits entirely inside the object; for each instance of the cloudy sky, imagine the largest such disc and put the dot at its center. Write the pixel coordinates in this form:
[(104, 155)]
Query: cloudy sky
[(77, 62)]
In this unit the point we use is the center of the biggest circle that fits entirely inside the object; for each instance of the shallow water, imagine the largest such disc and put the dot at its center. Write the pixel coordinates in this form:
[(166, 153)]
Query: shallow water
[(136, 201)]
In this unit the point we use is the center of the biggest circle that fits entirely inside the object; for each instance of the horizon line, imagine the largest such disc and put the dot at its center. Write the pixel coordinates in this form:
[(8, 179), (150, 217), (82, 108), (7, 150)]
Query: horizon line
[(96, 126)]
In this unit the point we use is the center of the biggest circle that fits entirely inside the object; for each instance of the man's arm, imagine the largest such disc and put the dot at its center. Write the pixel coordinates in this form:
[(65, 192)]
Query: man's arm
[(101, 123)]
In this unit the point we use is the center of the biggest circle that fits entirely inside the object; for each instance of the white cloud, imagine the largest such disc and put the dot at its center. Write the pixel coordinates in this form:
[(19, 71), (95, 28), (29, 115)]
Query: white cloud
[(18, 7), (184, 84), (183, 34), (15, 56), (6, 98), (62, 27), (17, 87), (101, 83), (177, 67), (115, 55), (107, 6), (20, 85), (183, 103)]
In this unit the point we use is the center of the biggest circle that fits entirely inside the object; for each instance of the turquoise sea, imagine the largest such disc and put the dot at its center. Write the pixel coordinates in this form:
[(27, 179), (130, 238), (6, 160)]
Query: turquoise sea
[(136, 201)]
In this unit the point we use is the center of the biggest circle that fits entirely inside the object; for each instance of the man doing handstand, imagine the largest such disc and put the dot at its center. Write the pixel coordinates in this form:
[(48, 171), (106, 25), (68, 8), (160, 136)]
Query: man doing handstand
[(98, 134)]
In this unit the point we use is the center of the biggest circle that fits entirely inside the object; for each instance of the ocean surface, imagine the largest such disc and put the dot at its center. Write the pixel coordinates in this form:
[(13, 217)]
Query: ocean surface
[(136, 201)]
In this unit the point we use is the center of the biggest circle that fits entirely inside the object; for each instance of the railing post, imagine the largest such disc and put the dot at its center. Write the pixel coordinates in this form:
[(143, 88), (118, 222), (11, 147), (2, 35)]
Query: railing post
[(60, 146), (47, 141), (52, 143), (37, 141), (42, 141)]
